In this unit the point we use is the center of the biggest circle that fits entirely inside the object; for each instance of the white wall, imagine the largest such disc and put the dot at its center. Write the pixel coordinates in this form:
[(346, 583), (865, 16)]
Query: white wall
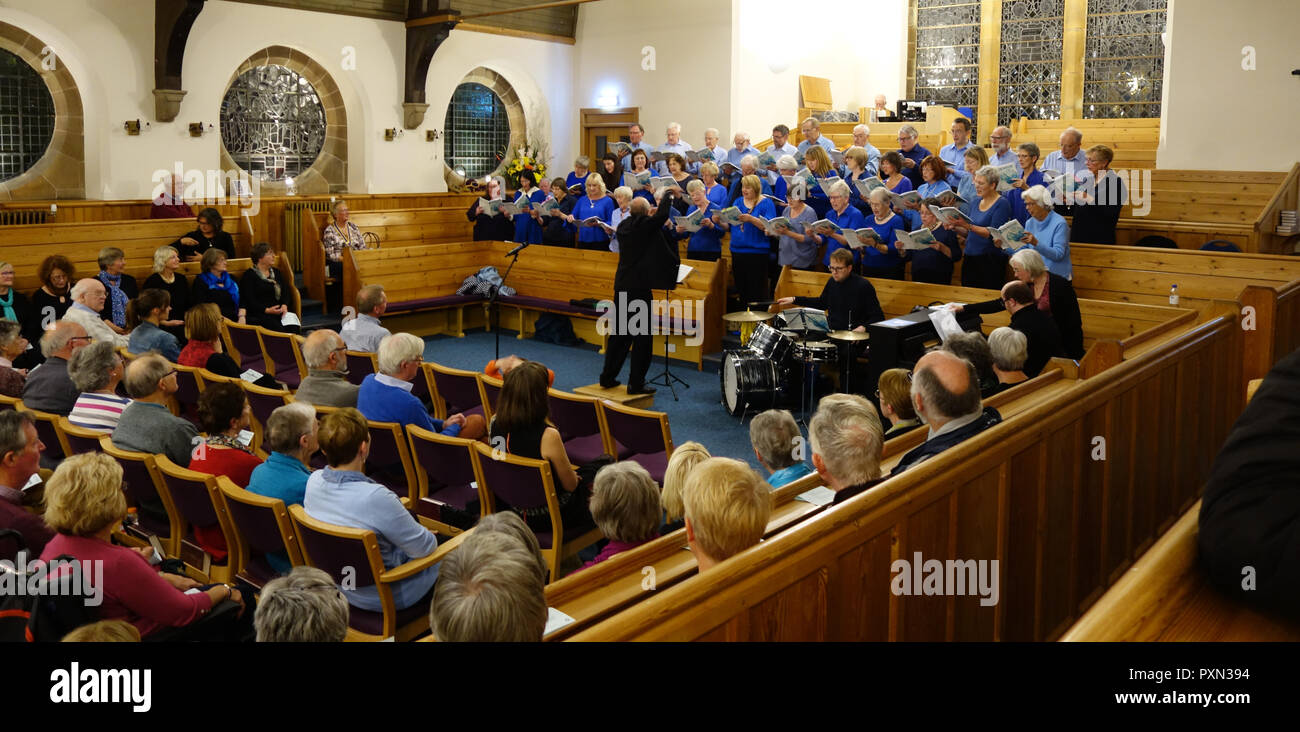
[(860, 45), (691, 80), (108, 47), (1218, 115)]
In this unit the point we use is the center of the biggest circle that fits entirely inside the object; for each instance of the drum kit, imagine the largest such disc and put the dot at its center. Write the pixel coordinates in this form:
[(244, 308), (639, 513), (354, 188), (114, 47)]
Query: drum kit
[(776, 364)]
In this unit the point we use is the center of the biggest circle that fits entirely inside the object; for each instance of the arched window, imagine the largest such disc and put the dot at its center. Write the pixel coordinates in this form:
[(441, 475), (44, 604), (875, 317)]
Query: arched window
[(272, 122), (26, 116), (477, 129)]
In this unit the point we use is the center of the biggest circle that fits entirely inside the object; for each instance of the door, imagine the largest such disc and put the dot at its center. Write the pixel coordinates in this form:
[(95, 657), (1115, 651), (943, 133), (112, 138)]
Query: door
[(597, 137)]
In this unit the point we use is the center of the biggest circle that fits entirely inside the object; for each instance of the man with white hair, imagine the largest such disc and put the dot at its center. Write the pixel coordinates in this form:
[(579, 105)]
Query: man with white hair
[(1002, 153), (326, 383), (741, 148), (862, 139), (879, 112), (386, 396), (946, 395), (748, 166), (711, 138), (847, 443), (50, 388), (913, 153), (673, 144), (168, 203), (489, 591), (88, 297), (1070, 158)]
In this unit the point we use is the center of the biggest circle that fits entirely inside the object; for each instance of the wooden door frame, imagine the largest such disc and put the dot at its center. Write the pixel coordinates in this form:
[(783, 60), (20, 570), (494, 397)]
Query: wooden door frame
[(590, 117)]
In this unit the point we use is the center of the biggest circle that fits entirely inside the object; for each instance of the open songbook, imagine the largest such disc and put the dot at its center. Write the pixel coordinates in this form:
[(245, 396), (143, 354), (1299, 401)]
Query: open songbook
[(837, 157), (523, 203), (1007, 174), (949, 215), (596, 221), (549, 207), (692, 222), (826, 183), (730, 216), (637, 180), (855, 238), (497, 206), (766, 158), (899, 200), (866, 185), (703, 155), (578, 189), (728, 168), (1009, 235), (922, 238), (772, 226), (666, 181), (618, 148)]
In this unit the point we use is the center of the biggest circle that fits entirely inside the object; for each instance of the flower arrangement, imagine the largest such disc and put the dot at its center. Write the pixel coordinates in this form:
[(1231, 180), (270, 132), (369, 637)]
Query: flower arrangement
[(530, 158)]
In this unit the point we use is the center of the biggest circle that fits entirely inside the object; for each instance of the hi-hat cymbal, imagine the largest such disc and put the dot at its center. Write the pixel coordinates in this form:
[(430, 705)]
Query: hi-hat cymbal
[(747, 316), (848, 335)]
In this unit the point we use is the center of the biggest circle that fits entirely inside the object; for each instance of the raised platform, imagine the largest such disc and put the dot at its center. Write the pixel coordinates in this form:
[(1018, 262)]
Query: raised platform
[(618, 395)]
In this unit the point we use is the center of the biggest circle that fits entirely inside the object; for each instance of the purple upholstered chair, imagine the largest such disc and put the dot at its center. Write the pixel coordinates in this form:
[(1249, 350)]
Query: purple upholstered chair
[(458, 391), (524, 483), (144, 487), (390, 462), (199, 502), (362, 364), (581, 427), (643, 434), (491, 392), (285, 355), (262, 402), (45, 429), (264, 527), (188, 386), (447, 471), (245, 346)]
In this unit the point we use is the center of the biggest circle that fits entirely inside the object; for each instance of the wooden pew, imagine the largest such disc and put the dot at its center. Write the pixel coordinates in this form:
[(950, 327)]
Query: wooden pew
[(25, 247), (1192, 207), (394, 228), (1030, 493), (423, 280), (620, 582), (1165, 597)]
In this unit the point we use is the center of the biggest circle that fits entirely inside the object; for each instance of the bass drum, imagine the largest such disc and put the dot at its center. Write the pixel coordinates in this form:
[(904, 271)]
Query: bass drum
[(748, 382)]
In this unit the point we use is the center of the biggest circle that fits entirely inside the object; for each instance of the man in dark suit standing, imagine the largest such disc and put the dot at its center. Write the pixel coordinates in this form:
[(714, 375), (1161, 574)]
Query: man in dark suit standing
[(1039, 327), (640, 236)]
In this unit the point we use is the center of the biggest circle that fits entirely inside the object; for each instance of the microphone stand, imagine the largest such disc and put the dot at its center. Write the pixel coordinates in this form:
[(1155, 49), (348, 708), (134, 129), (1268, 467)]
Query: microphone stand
[(493, 302)]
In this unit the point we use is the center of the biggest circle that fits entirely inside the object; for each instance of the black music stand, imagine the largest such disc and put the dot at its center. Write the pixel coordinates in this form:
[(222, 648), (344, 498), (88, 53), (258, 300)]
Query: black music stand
[(666, 377), (806, 391)]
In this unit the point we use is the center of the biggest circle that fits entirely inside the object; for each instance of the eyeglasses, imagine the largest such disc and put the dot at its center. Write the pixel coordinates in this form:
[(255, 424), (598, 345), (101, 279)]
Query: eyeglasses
[(835, 268)]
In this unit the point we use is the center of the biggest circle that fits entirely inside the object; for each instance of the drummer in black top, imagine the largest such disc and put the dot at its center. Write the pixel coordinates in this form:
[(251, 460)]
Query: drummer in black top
[(846, 295)]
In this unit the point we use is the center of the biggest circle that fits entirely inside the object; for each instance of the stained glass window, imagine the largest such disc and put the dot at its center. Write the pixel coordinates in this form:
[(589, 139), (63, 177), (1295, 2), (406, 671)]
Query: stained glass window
[(1124, 58), (948, 52), (26, 116), (1029, 67), (272, 122), (478, 130)]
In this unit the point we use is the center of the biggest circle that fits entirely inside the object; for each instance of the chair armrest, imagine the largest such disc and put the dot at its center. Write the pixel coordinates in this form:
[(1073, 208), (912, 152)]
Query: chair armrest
[(416, 566)]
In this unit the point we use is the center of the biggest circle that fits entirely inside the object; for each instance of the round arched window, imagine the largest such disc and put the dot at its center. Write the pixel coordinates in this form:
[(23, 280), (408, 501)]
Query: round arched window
[(477, 129), (272, 122), (26, 116)]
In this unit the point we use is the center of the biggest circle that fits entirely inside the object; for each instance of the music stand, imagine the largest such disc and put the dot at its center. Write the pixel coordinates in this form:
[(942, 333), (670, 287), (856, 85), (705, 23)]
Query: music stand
[(808, 391), (666, 377)]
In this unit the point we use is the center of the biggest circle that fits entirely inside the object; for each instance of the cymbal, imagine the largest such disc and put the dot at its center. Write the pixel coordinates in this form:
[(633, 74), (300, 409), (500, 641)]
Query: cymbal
[(848, 335), (747, 316)]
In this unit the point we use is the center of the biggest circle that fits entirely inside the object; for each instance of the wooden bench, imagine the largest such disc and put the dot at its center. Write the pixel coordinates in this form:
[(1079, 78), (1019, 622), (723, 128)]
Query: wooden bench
[(25, 247), (1134, 140), (1030, 493), (1164, 597), (1193, 207), (422, 281), (394, 228)]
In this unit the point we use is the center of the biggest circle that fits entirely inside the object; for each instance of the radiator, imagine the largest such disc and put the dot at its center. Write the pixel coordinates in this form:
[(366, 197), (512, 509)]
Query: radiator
[(24, 217), (293, 228)]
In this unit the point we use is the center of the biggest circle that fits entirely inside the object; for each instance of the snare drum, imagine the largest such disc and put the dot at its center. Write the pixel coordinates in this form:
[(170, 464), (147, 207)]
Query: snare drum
[(749, 381), (817, 352), (770, 343)]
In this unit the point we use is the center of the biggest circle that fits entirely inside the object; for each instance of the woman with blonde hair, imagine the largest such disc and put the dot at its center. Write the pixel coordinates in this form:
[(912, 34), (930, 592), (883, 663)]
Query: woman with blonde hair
[(166, 262), (684, 459)]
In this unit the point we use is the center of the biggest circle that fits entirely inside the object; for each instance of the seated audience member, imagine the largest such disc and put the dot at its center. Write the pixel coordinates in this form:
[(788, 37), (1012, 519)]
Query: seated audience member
[(935, 264), (146, 425), (264, 294), (1250, 515), (625, 507), (1047, 232), (12, 346), (846, 295), (778, 445), (119, 288), (87, 300), (945, 394), (204, 349), (522, 427), (509, 522), (727, 506), (291, 436), (165, 276), (144, 317), (1010, 349), (680, 465), (51, 301), (341, 494), (49, 388), (364, 332), (1099, 201), (326, 383), (1052, 293), (846, 444), (973, 348), (20, 453), (14, 305), (304, 606), (489, 592), (84, 504), (497, 368), (386, 396), (215, 285), (207, 235), (169, 204), (96, 370), (104, 631), (224, 412), (895, 397), (1039, 328)]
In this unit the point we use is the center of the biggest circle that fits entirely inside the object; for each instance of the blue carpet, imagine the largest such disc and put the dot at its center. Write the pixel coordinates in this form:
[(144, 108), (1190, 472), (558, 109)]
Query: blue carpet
[(698, 415)]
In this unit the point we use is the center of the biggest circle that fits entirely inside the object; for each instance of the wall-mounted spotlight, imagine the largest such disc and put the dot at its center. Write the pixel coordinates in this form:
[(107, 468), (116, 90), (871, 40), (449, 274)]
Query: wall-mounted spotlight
[(392, 133), (198, 128), (133, 127), (432, 135)]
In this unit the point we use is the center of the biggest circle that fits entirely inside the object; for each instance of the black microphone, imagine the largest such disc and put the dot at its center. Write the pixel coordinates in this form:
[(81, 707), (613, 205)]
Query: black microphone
[(517, 249)]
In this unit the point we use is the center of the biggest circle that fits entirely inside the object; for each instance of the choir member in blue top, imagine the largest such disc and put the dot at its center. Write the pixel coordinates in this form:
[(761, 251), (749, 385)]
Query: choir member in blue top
[(1047, 233), (719, 153), (785, 167), (781, 146), (635, 137), (974, 159), (935, 174), (883, 260), (844, 216), (951, 153), (986, 263), (641, 164), (912, 154), (855, 165), (818, 163), (712, 188), (1000, 138), (741, 149), (935, 264), (677, 171), (749, 245), (748, 167), (1030, 176), (581, 168), (812, 135), (1069, 160), (528, 226), (596, 203), (705, 244), (891, 173), (673, 144)]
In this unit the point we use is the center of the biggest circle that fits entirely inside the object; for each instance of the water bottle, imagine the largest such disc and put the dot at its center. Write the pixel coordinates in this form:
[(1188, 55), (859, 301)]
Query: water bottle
[(132, 519), (1173, 296)]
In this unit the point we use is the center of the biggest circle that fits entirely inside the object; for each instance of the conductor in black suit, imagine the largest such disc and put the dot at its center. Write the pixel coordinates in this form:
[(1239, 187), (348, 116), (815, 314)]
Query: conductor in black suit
[(643, 250)]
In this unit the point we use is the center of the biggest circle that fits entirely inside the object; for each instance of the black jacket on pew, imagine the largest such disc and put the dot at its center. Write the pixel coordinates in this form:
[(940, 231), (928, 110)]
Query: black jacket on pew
[(1250, 514)]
